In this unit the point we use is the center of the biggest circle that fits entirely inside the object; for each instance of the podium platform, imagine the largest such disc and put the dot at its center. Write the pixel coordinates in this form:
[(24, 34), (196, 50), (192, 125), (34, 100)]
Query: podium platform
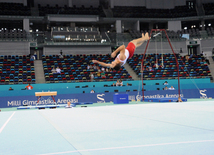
[(121, 98)]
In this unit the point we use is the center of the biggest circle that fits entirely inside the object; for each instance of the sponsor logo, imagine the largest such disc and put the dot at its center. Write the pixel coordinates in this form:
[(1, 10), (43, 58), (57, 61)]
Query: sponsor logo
[(203, 95), (65, 101), (41, 102), (131, 97), (100, 97), (139, 97), (14, 103)]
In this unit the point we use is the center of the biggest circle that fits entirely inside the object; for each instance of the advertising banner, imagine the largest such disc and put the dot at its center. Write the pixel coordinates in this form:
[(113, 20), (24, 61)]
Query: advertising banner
[(15, 101)]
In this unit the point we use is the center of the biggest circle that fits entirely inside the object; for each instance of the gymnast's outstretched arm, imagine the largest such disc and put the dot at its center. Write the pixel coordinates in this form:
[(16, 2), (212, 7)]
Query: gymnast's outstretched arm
[(102, 63)]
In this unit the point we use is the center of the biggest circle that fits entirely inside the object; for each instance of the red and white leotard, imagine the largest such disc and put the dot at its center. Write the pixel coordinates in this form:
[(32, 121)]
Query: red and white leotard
[(129, 52), (123, 61)]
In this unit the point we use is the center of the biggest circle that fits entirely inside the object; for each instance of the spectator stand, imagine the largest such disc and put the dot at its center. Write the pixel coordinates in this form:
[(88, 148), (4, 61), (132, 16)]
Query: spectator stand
[(16, 69), (14, 9), (194, 67), (74, 69)]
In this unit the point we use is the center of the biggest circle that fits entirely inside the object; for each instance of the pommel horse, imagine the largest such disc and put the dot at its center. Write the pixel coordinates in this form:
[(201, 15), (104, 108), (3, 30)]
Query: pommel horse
[(40, 94)]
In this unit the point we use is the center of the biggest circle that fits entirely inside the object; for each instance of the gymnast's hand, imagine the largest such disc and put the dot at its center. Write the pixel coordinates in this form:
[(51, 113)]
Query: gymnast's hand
[(94, 61), (113, 54), (146, 37)]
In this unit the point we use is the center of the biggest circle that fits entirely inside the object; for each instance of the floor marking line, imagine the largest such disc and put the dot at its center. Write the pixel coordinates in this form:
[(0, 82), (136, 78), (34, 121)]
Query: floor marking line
[(134, 146), (195, 127), (6, 122), (58, 129)]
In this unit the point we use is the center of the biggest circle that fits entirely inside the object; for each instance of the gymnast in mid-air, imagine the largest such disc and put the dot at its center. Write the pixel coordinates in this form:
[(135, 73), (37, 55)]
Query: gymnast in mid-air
[(125, 53)]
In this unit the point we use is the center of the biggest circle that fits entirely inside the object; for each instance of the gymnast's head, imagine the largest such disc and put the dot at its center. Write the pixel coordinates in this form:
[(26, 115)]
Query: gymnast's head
[(115, 65)]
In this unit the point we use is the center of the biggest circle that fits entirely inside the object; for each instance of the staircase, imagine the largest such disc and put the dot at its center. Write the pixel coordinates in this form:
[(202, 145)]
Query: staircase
[(39, 71), (200, 10), (131, 72), (108, 12), (211, 66)]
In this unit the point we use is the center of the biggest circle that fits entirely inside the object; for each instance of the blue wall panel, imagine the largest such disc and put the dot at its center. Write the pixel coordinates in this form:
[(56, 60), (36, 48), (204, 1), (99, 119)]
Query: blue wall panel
[(15, 101)]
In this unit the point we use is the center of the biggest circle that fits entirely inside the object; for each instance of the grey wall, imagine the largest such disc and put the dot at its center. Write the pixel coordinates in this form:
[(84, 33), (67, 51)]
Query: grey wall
[(207, 46), (77, 50), (86, 3), (118, 26), (174, 25), (167, 4), (179, 2), (165, 47), (148, 3), (128, 2), (23, 48), (78, 3), (131, 25), (51, 2), (14, 48), (13, 1), (207, 1), (163, 4)]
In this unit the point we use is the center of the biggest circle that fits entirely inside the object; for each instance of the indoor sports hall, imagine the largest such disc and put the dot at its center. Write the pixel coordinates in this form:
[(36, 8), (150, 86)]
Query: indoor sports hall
[(106, 77)]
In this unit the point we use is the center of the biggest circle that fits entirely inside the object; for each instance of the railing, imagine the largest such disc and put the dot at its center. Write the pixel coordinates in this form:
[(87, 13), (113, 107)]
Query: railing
[(75, 43)]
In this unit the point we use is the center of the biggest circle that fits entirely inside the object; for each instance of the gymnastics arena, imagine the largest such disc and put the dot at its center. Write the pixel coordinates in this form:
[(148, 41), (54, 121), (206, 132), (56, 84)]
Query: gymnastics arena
[(61, 91)]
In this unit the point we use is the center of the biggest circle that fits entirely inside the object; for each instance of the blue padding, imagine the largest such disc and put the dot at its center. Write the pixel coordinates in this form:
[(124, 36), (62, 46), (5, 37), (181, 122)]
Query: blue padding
[(44, 106), (81, 103), (164, 99)]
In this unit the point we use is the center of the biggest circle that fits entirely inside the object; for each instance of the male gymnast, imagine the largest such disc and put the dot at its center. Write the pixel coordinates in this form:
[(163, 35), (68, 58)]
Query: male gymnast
[(125, 53)]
